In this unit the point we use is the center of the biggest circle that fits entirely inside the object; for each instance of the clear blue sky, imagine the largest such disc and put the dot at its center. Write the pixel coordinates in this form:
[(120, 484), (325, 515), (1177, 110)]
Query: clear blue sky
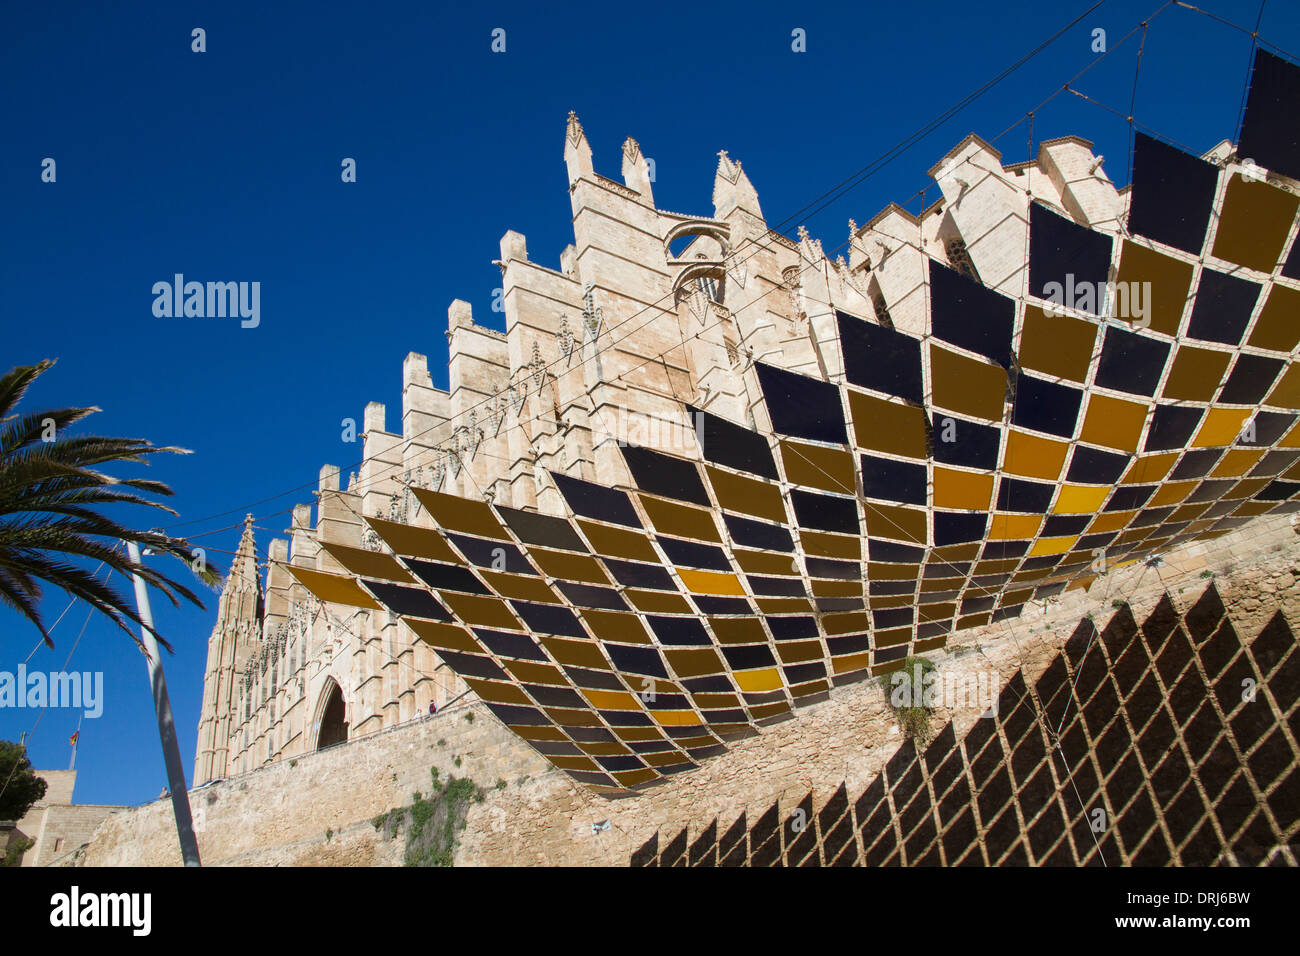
[(225, 166)]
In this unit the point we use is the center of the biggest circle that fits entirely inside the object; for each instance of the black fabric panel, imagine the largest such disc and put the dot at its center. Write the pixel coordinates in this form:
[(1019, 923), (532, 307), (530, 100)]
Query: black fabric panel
[(665, 475), (1046, 406), (956, 528), (746, 656), (1173, 193), (1269, 133), (893, 617), (882, 550), (830, 568), (1058, 525), (1251, 378), (596, 501), (1196, 464), (1001, 550), (881, 359), (1172, 426), (714, 684), (712, 604), (1024, 496), (555, 696), (1274, 463), (497, 555), (776, 587), (695, 555), (1061, 251), (549, 619), (1130, 362), (547, 530), (893, 480), (412, 602), (891, 588), (725, 443), (1096, 467), (601, 680), (967, 313), (802, 406), (972, 446), (824, 512), (637, 660), (473, 665), (1279, 491), (633, 574), (848, 644), (621, 763), (1128, 497), (1291, 268), (792, 628), (589, 595), (1270, 426), (758, 534), (508, 644), (679, 630), (890, 654), (802, 673), (453, 577), (1222, 308)]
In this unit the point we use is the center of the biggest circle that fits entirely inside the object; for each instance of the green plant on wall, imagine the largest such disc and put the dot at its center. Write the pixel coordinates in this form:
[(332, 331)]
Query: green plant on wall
[(14, 855), (433, 823), (905, 696)]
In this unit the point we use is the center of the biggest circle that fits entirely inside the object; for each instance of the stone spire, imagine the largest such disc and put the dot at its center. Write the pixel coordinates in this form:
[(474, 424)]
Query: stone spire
[(238, 628), (636, 171), (577, 151), (733, 190)]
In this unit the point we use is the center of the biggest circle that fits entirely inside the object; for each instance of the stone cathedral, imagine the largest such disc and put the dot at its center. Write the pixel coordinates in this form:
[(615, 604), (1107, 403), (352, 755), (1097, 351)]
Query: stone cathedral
[(709, 472)]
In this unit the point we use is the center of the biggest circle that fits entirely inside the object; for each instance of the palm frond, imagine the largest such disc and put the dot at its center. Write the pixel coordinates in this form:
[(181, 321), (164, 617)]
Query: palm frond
[(51, 491)]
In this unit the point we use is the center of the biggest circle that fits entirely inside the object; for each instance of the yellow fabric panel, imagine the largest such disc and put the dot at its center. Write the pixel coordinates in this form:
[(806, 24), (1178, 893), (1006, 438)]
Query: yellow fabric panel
[(461, 514), (416, 542), (711, 582), (369, 564), (747, 495), (962, 490), (1080, 499), (769, 678), (333, 588), (1113, 422)]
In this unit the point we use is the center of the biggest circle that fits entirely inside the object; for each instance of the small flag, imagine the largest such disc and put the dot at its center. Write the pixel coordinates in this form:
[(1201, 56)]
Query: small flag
[(72, 741)]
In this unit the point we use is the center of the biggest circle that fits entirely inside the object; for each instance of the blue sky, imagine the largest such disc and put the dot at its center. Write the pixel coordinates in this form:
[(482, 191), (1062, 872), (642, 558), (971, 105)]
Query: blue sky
[(225, 166)]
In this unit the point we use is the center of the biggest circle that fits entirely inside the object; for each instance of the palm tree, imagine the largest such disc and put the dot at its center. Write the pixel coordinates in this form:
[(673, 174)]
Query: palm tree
[(51, 494)]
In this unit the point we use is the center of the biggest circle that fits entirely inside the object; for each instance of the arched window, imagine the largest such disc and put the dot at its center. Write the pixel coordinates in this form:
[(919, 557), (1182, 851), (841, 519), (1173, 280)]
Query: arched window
[(333, 725)]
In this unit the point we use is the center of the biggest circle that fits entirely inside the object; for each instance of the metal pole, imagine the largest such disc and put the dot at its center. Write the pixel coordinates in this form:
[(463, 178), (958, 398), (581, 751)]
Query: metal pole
[(166, 725)]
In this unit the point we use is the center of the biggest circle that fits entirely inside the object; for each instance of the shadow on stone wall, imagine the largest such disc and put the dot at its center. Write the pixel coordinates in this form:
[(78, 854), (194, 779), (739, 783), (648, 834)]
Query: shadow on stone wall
[(1172, 743)]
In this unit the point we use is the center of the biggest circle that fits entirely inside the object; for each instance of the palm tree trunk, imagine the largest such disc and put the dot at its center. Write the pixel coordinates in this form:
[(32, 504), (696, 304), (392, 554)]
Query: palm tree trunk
[(166, 725)]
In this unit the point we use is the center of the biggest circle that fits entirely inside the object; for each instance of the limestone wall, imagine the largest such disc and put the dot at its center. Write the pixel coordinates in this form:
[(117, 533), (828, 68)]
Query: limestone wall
[(280, 814)]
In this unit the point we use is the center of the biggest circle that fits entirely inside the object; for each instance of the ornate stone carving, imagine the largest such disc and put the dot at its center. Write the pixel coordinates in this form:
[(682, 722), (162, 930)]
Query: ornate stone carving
[(565, 338), (737, 270)]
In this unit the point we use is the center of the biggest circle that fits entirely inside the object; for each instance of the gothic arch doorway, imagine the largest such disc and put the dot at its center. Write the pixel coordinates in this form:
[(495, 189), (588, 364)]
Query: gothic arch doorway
[(332, 720)]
